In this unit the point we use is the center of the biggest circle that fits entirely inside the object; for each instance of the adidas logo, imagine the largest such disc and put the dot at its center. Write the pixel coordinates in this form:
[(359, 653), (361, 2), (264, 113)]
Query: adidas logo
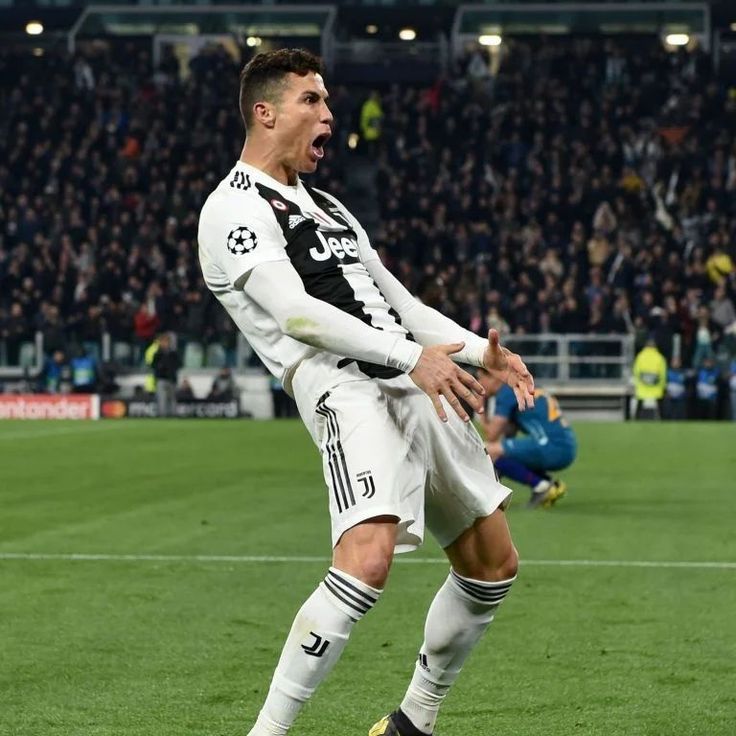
[(295, 220)]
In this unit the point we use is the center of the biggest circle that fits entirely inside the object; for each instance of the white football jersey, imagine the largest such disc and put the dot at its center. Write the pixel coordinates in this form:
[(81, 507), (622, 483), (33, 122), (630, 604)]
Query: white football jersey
[(250, 218)]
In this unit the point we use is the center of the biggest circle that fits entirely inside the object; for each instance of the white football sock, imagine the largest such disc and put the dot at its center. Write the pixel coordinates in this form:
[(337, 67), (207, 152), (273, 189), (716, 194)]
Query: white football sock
[(316, 640), (460, 613)]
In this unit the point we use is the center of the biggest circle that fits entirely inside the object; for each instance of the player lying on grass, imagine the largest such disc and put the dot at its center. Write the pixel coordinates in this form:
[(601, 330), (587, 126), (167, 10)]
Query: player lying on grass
[(547, 443)]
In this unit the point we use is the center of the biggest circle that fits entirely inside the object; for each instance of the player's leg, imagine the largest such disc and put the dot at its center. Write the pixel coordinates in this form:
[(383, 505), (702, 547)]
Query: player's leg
[(510, 467), (484, 564), (366, 551), (559, 453), (524, 460), (321, 628), (463, 511), (371, 507)]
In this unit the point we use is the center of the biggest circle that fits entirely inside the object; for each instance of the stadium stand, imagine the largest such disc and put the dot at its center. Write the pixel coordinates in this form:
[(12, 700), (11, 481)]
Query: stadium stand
[(599, 184), (104, 165), (578, 187)]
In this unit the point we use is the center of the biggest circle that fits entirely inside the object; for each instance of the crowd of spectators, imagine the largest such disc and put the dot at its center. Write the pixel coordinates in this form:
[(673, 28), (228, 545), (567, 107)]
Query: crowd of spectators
[(578, 189), (104, 166), (568, 186)]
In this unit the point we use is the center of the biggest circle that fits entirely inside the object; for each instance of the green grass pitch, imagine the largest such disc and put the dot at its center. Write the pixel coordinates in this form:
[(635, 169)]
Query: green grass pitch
[(186, 647)]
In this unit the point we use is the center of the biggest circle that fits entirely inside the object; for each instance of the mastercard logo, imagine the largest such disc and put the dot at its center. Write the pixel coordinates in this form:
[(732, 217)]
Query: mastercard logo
[(114, 409)]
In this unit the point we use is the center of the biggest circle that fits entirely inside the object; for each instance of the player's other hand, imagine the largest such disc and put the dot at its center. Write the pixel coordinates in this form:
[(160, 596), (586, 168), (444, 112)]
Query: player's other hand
[(437, 375), (511, 369)]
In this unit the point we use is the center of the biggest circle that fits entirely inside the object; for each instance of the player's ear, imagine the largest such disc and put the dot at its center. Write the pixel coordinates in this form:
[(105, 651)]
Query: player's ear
[(264, 113)]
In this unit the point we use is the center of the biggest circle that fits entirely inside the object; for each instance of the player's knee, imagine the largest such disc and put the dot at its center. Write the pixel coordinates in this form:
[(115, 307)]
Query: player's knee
[(501, 567), (374, 568), (366, 551), (509, 567), (369, 561)]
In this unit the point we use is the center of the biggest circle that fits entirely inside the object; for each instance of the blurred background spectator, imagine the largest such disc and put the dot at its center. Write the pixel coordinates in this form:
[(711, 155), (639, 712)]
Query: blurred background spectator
[(223, 386), (184, 391), (675, 403), (571, 186), (650, 381), (165, 364)]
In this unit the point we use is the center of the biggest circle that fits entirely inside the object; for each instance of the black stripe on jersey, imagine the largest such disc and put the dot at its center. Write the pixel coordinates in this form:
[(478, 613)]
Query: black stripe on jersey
[(328, 206), (324, 279), (372, 370)]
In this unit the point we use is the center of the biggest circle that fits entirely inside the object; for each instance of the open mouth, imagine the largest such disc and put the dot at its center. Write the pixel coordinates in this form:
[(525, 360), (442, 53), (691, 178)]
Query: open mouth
[(318, 143)]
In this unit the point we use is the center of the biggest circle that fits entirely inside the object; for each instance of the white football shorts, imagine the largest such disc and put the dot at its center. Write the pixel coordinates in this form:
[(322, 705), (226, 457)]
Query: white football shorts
[(385, 452)]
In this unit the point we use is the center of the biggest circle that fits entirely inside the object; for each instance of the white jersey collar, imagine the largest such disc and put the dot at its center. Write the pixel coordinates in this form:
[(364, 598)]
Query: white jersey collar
[(264, 178)]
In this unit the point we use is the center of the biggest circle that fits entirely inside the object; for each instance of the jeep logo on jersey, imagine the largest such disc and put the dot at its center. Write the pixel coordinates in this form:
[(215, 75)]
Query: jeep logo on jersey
[(241, 240), (332, 245)]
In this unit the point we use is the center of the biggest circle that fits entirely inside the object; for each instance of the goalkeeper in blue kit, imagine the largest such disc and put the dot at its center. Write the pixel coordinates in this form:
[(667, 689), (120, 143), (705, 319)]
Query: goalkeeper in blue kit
[(547, 442)]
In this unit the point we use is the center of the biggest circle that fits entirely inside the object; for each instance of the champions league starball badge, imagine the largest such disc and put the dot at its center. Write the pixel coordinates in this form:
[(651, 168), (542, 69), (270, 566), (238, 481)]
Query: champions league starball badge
[(241, 240)]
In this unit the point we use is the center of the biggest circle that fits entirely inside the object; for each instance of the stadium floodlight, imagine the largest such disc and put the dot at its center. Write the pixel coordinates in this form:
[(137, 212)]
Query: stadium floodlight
[(490, 39), (677, 39), (34, 28), (371, 28), (733, 27), (407, 34), (253, 41)]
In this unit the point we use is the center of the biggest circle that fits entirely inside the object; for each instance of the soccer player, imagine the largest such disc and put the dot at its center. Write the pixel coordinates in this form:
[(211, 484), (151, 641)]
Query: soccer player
[(548, 442), (375, 376)]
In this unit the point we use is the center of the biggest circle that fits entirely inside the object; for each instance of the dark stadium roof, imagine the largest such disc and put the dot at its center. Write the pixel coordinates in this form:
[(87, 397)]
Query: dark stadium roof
[(61, 15)]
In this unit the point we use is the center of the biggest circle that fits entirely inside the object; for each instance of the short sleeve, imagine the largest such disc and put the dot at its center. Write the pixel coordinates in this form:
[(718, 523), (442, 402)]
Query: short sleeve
[(236, 240), (505, 403)]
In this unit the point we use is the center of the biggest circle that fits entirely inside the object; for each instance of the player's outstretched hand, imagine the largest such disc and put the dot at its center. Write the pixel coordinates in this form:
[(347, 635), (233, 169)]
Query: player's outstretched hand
[(511, 369), (437, 375)]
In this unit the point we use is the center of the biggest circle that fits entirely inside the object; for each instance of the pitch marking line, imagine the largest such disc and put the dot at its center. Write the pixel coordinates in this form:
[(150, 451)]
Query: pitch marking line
[(30, 434), (400, 559)]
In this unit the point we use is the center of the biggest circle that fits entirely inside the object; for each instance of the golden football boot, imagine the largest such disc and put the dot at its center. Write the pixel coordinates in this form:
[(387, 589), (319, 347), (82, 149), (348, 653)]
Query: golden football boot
[(388, 726), (548, 496), (384, 727), (558, 490)]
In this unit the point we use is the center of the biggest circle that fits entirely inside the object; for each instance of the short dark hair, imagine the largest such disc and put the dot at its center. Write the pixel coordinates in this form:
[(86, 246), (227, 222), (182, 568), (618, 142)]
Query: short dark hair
[(264, 76)]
